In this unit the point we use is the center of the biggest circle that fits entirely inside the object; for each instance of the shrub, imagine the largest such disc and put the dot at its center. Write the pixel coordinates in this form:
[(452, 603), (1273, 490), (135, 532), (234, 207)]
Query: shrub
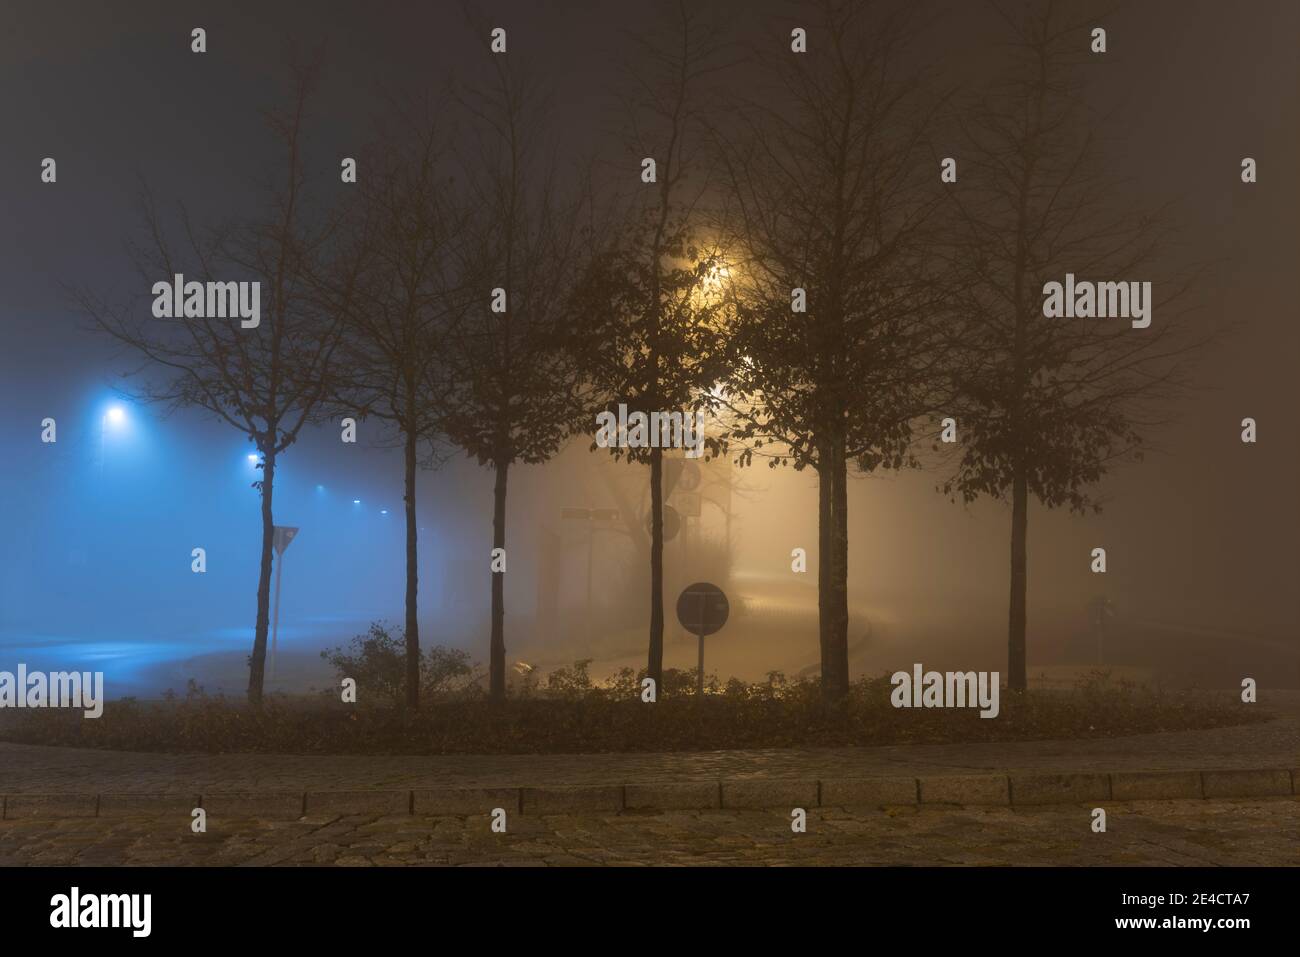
[(576, 714), (377, 662)]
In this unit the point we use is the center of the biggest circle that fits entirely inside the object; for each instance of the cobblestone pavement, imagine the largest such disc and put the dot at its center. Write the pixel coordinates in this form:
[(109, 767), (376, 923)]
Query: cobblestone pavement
[(1245, 832), (34, 769)]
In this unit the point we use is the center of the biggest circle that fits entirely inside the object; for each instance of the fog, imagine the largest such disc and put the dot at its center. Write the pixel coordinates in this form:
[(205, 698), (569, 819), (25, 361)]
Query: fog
[(96, 531)]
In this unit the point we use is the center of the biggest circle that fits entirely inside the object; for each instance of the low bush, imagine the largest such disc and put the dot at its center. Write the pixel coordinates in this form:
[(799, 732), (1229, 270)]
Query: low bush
[(377, 662), (570, 712)]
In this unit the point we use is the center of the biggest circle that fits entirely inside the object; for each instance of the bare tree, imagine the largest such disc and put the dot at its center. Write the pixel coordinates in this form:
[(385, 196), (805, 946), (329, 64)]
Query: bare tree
[(516, 395), (265, 381), (406, 240), (836, 348), (1050, 404)]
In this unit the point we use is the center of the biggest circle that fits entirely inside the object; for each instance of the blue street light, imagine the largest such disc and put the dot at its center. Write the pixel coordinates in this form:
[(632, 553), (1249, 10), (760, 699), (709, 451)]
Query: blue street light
[(356, 501)]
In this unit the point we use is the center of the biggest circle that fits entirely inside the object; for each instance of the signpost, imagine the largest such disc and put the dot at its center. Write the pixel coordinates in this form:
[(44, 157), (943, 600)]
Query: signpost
[(702, 608), (280, 539)]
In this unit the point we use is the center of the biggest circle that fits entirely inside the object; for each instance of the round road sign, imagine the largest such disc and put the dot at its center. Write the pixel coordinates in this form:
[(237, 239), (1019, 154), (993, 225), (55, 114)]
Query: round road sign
[(702, 608)]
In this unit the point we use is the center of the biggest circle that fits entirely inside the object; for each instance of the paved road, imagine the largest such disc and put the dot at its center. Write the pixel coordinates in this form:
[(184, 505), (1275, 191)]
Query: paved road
[(1243, 832)]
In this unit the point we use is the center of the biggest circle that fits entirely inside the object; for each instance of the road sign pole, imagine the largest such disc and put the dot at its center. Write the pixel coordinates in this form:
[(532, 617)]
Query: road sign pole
[(281, 537), (699, 678), (710, 614)]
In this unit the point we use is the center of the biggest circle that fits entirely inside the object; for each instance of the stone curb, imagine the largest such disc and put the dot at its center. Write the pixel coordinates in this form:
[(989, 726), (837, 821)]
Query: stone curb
[(566, 800), (965, 789), (770, 792), (672, 796), (357, 802), (1016, 789), (1155, 785), (1059, 788), (1262, 783), (434, 801), (266, 805)]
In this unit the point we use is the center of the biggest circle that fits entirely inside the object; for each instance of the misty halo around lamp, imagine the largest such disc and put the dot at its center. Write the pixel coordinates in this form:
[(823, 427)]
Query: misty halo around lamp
[(114, 417)]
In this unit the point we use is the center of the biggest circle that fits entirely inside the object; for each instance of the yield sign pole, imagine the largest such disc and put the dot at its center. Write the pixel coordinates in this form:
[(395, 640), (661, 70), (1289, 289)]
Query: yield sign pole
[(699, 676), (702, 608), (283, 535)]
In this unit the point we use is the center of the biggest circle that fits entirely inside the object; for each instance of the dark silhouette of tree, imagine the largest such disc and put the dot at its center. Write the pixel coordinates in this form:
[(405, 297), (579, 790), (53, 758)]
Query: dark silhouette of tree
[(406, 240), (650, 336), (515, 394), (832, 198), (1050, 404), (266, 381)]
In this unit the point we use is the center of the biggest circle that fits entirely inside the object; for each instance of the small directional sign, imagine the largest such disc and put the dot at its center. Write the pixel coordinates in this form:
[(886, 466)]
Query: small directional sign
[(284, 534)]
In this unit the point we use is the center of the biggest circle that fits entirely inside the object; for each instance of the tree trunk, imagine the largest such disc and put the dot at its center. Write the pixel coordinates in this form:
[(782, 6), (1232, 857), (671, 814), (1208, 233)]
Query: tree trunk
[(655, 662), (838, 645), (1016, 679), (497, 665), (257, 661), (825, 522), (412, 581)]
